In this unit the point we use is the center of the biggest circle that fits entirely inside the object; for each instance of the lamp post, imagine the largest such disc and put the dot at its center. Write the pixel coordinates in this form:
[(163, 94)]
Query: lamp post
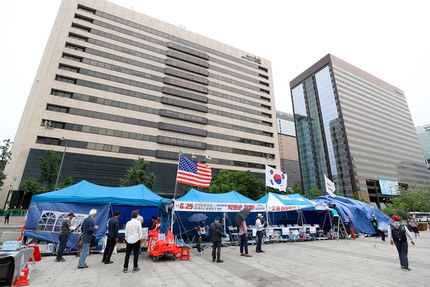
[(61, 164)]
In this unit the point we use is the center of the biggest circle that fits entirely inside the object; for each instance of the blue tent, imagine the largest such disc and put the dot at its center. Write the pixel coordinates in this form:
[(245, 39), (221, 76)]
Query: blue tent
[(86, 192), (360, 212), (48, 210), (212, 205), (195, 200)]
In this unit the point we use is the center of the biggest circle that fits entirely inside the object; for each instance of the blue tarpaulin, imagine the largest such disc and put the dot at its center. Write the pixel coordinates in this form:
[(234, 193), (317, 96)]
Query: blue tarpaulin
[(360, 212)]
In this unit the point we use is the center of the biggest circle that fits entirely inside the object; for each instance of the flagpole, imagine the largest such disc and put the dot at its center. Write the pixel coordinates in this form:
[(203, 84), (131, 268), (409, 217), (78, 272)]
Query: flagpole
[(174, 195)]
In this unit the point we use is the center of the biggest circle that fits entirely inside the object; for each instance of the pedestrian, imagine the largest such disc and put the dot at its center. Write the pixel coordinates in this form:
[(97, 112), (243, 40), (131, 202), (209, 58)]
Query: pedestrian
[(259, 225), (133, 234), (413, 224), (335, 216), (66, 229), (243, 234), (351, 227), (155, 223), (6, 217), (217, 234), (112, 237), (378, 231), (140, 218), (397, 233), (88, 229)]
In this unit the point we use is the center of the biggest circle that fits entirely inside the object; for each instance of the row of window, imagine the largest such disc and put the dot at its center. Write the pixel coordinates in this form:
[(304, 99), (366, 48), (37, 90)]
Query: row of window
[(145, 109), (169, 53), (138, 151), (155, 78), (165, 100)]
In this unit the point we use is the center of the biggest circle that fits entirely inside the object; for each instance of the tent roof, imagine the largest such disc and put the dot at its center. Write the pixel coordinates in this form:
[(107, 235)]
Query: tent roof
[(195, 200), (228, 197), (86, 192), (285, 202)]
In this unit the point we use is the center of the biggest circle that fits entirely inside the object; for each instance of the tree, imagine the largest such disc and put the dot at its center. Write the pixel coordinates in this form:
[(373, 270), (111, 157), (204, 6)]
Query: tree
[(411, 199), (137, 174), (5, 156), (297, 188), (33, 185), (49, 165), (314, 192), (243, 182)]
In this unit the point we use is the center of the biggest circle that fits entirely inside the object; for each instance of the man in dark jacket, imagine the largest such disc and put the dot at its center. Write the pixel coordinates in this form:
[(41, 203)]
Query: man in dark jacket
[(217, 234), (112, 237), (66, 229), (88, 229)]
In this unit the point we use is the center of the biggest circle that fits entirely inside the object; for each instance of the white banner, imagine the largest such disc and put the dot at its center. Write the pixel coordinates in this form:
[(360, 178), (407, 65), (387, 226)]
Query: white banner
[(329, 186)]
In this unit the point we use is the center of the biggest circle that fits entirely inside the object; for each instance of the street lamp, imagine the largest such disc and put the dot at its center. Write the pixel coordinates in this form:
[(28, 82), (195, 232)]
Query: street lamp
[(61, 164)]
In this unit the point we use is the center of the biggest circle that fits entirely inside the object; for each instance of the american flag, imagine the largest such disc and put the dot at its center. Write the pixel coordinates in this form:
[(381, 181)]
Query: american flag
[(193, 173)]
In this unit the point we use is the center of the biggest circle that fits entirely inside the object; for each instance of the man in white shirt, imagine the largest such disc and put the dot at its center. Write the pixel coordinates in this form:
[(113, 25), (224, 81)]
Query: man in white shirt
[(133, 234), (260, 227)]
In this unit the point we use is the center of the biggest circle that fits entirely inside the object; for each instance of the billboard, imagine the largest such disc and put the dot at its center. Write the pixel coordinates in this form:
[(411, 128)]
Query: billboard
[(389, 187)]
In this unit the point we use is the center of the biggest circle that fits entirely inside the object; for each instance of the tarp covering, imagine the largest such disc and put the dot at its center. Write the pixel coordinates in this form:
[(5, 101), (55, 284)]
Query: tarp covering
[(158, 247), (285, 202), (231, 201), (360, 212)]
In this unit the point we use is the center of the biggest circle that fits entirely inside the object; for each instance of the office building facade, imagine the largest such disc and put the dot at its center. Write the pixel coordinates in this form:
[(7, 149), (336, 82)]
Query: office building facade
[(357, 130), (423, 133), (114, 85), (288, 148)]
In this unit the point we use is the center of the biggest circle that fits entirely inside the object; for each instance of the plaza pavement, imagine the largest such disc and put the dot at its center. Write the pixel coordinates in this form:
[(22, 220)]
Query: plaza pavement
[(363, 262)]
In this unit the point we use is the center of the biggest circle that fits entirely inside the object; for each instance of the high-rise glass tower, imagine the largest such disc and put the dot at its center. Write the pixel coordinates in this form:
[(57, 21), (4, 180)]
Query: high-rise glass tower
[(357, 130), (114, 85), (423, 133)]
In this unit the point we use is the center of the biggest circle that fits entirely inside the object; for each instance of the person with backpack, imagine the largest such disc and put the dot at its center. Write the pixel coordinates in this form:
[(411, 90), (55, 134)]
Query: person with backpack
[(397, 234)]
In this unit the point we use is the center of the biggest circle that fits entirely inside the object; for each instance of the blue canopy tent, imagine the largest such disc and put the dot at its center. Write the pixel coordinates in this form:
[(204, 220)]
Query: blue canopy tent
[(213, 205), (284, 208), (48, 210), (360, 212)]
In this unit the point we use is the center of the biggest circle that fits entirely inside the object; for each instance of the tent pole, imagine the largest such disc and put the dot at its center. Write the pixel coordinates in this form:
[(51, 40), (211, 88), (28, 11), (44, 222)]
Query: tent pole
[(172, 216)]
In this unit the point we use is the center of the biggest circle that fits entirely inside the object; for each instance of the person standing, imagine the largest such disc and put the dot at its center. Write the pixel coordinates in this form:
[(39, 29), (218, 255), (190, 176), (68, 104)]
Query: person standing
[(243, 234), (397, 234), (112, 237), (413, 224), (260, 227), (133, 234), (66, 229), (335, 216), (351, 227), (139, 217), (6, 217), (217, 233), (155, 223), (378, 231), (88, 229)]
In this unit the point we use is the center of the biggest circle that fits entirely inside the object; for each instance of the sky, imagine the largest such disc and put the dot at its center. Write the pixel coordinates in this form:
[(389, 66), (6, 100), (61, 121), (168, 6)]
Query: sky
[(388, 39)]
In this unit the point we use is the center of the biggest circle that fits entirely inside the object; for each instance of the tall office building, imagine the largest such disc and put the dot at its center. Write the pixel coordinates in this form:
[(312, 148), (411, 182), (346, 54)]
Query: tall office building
[(423, 133), (288, 148), (357, 130), (114, 85)]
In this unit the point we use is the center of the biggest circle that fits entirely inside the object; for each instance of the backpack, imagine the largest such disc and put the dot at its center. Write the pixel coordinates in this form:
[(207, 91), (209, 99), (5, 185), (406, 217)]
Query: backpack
[(398, 234)]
